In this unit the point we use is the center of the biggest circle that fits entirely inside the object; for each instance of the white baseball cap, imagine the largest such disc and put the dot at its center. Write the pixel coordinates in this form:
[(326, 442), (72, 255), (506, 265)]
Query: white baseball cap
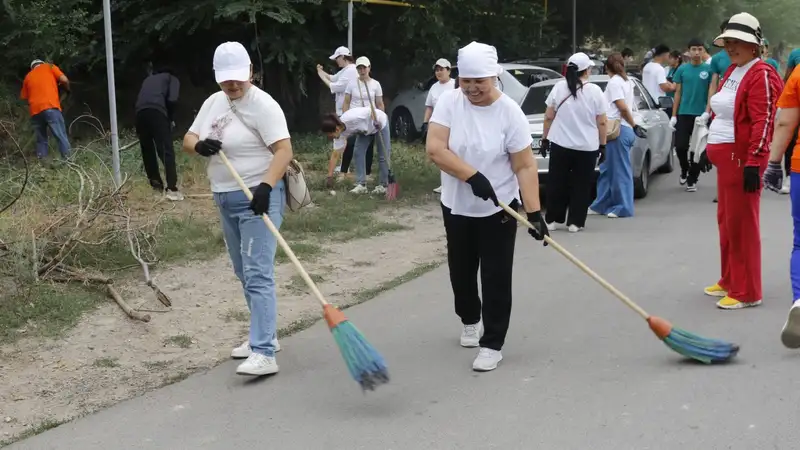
[(581, 60), (231, 62), (441, 62), (742, 26), (36, 62), (341, 51), (363, 61)]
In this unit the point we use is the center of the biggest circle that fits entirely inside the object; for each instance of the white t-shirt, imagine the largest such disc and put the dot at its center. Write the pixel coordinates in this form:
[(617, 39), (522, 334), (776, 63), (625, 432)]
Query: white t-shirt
[(484, 137), (339, 83), (575, 125), (619, 89), (653, 76), (723, 103), (246, 152), (358, 98), (436, 91), (359, 121)]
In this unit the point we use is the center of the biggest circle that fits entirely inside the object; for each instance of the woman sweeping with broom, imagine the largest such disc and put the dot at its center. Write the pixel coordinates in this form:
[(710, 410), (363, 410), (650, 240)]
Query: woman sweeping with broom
[(480, 138)]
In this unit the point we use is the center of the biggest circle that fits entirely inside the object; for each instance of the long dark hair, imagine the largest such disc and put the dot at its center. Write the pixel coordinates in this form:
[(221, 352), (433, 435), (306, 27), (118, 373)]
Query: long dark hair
[(615, 64), (574, 79), (330, 122)]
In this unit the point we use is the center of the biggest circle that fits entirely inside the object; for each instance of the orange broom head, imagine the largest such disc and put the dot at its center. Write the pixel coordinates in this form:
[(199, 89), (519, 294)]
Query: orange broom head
[(660, 327), (333, 316), (391, 191)]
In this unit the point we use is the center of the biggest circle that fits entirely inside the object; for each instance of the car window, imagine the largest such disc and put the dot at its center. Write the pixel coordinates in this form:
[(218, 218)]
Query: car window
[(529, 77), (641, 96), (534, 100), (651, 101)]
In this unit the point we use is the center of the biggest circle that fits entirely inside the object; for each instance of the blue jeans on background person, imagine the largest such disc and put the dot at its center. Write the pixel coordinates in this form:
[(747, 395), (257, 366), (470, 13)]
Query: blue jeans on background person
[(360, 154), (794, 265), (251, 247), (615, 183), (53, 119)]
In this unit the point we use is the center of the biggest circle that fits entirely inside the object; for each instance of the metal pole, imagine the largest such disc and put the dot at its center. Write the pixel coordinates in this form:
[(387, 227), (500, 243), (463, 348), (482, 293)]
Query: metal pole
[(350, 27), (574, 26), (112, 99)]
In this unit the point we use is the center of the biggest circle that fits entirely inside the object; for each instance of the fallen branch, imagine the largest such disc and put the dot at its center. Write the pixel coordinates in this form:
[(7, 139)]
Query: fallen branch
[(133, 314), (76, 275), (136, 251)]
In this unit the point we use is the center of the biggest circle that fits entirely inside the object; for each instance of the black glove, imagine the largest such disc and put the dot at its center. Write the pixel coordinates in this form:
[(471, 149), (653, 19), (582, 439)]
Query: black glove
[(752, 181), (424, 130), (704, 163), (482, 188), (639, 131), (208, 147), (773, 177), (602, 154), (260, 202), (539, 230), (545, 148)]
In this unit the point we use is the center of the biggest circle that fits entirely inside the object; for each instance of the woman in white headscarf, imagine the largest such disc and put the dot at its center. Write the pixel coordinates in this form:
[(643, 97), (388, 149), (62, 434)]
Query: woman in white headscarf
[(479, 137)]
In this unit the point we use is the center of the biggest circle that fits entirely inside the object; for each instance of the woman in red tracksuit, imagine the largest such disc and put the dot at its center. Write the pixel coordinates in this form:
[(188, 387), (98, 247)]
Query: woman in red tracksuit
[(739, 139)]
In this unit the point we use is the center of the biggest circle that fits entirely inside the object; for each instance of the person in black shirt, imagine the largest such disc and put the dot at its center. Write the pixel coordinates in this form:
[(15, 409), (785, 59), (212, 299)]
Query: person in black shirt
[(155, 111)]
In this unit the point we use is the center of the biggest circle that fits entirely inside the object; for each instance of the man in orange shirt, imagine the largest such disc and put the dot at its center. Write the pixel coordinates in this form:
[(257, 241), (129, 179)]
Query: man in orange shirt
[(40, 89), (785, 127)]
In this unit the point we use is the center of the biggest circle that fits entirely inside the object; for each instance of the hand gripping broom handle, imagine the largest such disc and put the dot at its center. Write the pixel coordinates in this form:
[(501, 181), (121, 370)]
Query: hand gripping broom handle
[(581, 265), (274, 230)]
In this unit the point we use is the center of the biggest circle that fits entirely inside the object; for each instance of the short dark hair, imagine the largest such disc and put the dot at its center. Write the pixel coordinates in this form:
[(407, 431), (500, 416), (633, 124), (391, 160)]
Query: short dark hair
[(723, 25), (329, 123), (696, 42), (627, 52), (660, 50), (349, 58)]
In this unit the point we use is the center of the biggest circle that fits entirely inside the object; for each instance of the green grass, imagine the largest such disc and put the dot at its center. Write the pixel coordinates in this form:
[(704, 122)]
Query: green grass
[(236, 315), (41, 427), (297, 284), (180, 340), (106, 363)]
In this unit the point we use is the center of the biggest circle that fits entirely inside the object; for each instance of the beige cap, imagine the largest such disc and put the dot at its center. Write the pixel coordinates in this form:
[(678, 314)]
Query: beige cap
[(363, 61), (441, 62)]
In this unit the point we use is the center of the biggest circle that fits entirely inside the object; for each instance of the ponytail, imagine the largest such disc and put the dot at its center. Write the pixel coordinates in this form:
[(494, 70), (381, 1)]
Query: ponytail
[(574, 79)]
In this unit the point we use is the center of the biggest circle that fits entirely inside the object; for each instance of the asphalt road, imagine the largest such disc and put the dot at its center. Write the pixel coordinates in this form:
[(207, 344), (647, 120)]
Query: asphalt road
[(581, 371)]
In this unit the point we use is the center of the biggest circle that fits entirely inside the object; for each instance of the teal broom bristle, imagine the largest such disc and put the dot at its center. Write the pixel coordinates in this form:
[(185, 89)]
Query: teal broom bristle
[(709, 351), (365, 364)]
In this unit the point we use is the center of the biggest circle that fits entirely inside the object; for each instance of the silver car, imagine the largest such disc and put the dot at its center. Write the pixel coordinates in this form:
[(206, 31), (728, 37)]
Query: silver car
[(648, 155), (407, 110)]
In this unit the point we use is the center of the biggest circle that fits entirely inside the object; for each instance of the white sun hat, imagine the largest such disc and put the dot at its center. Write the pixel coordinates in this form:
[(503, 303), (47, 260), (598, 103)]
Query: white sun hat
[(231, 62), (743, 27)]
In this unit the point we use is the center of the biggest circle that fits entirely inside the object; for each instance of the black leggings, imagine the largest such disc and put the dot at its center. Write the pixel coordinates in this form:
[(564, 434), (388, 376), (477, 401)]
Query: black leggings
[(347, 156)]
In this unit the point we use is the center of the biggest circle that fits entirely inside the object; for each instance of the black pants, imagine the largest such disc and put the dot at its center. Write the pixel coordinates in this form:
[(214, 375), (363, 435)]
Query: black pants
[(347, 156), (683, 136), (155, 139), (488, 243), (569, 185)]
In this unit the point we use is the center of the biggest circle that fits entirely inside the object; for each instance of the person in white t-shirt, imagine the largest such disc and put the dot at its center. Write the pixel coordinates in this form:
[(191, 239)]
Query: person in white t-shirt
[(356, 96), (250, 127), (441, 70), (653, 76), (360, 123), (480, 138), (574, 135), (338, 84), (615, 184)]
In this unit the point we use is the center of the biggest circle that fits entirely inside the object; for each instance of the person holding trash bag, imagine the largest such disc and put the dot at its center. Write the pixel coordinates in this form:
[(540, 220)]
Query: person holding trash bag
[(480, 138), (249, 126), (738, 145)]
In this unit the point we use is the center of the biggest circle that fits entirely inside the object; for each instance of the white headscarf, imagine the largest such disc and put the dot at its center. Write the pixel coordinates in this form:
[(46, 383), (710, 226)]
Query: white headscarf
[(477, 60)]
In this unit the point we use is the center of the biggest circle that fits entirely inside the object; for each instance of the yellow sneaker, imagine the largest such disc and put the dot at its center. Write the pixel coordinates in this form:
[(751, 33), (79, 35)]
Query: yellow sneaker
[(732, 303), (715, 291)]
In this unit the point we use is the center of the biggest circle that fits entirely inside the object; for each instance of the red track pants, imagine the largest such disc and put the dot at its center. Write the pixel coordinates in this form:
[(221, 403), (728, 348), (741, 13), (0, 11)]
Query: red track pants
[(738, 218)]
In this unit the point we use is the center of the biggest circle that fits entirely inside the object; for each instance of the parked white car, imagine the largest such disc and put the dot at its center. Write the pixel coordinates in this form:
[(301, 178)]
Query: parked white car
[(408, 109), (648, 155)]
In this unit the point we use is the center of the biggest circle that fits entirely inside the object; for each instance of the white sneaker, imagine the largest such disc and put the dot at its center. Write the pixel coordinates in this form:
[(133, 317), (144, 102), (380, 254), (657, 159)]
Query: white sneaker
[(486, 360), (787, 185), (592, 212), (612, 216), (554, 226), (257, 365), (175, 196), (574, 228), (682, 180), (359, 189), (471, 335), (244, 350), (790, 336), (691, 187), (379, 190), (438, 190)]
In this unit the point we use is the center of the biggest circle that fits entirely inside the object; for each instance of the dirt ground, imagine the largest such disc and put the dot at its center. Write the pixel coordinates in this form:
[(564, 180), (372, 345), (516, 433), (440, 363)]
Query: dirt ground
[(108, 357)]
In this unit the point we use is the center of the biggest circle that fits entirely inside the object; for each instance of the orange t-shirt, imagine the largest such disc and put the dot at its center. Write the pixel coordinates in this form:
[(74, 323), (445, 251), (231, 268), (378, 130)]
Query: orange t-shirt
[(40, 88), (790, 98)]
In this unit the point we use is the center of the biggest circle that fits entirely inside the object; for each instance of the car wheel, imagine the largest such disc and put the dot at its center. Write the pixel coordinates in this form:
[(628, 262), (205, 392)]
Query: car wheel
[(668, 166), (403, 125), (641, 183)]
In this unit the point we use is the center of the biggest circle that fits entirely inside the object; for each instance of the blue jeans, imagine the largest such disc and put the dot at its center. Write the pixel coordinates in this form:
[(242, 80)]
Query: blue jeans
[(615, 183), (794, 265), (251, 247), (53, 119), (360, 154)]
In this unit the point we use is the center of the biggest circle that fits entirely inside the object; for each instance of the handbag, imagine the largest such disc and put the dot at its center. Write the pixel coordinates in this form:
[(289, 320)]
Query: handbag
[(297, 193), (613, 129)]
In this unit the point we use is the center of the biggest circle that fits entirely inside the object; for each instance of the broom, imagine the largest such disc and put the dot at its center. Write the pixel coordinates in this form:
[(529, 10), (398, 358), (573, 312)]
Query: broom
[(683, 342), (365, 364), (392, 188)]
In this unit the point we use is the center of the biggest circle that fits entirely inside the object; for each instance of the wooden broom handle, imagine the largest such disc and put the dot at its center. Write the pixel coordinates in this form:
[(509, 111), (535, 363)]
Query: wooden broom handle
[(284, 245), (375, 118), (580, 265)]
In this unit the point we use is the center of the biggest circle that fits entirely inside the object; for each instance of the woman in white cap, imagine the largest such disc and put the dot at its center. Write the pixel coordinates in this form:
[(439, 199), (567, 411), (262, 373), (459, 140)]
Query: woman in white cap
[(444, 83), (338, 84), (574, 136), (739, 138), (250, 127), (361, 93), (480, 138)]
